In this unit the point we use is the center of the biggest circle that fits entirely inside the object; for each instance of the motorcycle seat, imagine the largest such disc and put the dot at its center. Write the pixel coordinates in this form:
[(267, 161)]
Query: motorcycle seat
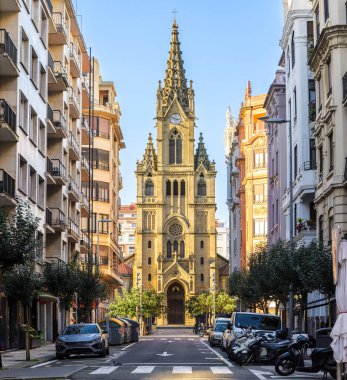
[(317, 351), (275, 345)]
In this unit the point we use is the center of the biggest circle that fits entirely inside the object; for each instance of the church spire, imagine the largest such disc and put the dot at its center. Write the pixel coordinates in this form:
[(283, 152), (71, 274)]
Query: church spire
[(201, 156), (175, 82), (150, 156)]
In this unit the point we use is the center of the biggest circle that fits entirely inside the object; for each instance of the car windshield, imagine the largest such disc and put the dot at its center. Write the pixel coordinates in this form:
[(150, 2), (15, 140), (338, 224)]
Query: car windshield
[(258, 322), (81, 329), (220, 327)]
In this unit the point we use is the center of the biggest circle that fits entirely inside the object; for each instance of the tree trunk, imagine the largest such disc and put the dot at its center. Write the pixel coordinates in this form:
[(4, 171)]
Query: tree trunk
[(27, 336)]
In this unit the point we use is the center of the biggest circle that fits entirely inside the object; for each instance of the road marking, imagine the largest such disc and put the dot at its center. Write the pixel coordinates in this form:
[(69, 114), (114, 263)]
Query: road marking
[(260, 374), (297, 377), (103, 370), (217, 354), (212, 359), (164, 354), (163, 339), (178, 339), (191, 339), (143, 369), (182, 369), (128, 346), (43, 364), (220, 370)]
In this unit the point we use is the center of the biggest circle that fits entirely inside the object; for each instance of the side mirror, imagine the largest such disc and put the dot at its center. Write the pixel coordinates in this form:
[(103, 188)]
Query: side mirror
[(229, 326)]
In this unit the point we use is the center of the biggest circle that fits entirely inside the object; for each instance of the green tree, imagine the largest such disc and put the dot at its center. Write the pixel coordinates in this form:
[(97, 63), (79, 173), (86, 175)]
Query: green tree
[(224, 303)]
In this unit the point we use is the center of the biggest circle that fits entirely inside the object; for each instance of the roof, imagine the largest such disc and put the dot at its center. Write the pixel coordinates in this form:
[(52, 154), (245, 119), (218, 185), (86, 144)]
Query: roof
[(125, 270), (224, 270)]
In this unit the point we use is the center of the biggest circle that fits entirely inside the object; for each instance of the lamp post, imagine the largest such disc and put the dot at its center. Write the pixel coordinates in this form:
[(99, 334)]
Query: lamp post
[(214, 296), (268, 120), (98, 251), (139, 287)]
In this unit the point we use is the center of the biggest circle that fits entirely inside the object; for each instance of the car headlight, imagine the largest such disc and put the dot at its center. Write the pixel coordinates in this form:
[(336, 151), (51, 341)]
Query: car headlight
[(59, 341), (97, 340)]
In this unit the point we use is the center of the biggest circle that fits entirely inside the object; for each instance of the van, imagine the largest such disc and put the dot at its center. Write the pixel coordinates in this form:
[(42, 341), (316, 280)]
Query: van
[(266, 323)]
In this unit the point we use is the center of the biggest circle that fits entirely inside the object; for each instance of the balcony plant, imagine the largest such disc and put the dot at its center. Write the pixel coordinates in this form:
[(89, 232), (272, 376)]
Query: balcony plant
[(300, 224)]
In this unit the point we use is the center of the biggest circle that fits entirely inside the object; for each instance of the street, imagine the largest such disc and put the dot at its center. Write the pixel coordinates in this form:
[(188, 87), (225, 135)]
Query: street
[(161, 356)]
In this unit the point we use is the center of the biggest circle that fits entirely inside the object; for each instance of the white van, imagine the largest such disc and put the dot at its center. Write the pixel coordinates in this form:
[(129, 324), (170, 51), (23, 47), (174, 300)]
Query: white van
[(267, 323)]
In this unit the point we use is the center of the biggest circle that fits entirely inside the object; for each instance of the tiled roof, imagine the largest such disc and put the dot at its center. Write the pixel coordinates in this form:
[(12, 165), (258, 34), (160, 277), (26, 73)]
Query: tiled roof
[(124, 269)]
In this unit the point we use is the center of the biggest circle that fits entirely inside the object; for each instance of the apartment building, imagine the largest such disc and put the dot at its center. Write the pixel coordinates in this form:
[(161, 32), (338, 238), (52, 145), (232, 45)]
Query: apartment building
[(252, 164), (127, 221), (231, 154), (222, 230), (107, 181), (275, 105), (329, 65), (300, 110)]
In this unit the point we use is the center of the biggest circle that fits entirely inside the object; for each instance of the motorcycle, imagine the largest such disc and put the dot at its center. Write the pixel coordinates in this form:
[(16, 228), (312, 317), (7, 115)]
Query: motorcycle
[(322, 359), (240, 344)]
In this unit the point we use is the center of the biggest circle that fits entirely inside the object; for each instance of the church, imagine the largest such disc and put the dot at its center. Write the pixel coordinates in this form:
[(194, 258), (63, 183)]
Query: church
[(175, 240)]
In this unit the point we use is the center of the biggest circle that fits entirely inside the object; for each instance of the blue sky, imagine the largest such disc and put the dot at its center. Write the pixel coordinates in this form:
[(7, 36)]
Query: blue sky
[(225, 43)]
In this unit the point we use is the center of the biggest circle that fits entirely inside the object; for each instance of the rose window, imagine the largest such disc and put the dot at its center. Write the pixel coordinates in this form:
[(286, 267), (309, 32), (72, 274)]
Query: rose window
[(175, 229)]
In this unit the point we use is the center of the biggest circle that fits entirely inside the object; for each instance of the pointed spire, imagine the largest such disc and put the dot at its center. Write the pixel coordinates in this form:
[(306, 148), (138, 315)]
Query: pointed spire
[(175, 82), (201, 156), (150, 157), (248, 90), (229, 131)]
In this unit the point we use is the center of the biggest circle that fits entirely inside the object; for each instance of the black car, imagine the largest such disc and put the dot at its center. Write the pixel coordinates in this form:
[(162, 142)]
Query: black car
[(82, 338)]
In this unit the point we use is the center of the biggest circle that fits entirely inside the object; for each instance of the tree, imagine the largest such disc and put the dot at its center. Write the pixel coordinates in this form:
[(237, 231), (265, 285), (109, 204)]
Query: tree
[(225, 304)]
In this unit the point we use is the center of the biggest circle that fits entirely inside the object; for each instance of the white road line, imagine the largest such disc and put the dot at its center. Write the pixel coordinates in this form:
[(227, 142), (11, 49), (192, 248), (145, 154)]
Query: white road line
[(43, 364), (191, 339), (182, 369), (217, 354), (128, 346), (177, 338), (143, 369), (213, 358), (220, 370), (106, 370)]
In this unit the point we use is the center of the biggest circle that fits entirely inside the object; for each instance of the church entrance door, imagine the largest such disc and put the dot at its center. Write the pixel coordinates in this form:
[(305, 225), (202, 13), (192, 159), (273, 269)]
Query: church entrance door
[(175, 304)]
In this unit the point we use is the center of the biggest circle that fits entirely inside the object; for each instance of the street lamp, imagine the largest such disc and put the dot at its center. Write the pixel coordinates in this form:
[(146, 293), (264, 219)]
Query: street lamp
[(268, 120), (214, 296), (139, 287)]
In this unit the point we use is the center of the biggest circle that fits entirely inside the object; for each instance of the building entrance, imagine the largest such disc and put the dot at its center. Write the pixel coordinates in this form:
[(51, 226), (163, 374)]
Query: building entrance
[(175, 304)]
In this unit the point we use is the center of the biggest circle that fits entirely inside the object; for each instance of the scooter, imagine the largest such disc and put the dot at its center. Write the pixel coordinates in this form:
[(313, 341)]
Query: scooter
[(322, 359)]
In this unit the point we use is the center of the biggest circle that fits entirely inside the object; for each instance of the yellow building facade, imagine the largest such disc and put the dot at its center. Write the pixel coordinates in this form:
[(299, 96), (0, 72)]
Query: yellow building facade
[(175, 240), (254, 178)]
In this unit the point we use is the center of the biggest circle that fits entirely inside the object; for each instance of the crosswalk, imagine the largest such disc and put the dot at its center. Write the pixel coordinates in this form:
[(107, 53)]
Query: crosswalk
[(148, 369)]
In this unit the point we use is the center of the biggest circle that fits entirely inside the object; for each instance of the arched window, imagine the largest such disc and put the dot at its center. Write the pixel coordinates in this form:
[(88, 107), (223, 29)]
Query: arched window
[(183, 187), (201, 260), (168, 187), (202, 277), (175, 148), (293, 50), (168, 249), (201, 244), (182, 253), (175, 187), (175, 246), (202, 187), (149, 261), (149, 244), (149, 277), (149, 188)]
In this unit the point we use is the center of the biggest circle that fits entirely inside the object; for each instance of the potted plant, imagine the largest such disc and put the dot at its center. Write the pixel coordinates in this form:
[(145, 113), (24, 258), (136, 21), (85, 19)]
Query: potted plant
[(300, 224)]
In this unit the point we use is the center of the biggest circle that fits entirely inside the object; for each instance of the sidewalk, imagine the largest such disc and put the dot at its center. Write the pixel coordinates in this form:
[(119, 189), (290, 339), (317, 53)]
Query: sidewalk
[(16, 359)]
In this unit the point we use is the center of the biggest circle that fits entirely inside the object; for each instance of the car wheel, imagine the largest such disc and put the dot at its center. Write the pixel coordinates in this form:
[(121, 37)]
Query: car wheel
[(103, 352), (211, 345), (108, 351), (59, 356)]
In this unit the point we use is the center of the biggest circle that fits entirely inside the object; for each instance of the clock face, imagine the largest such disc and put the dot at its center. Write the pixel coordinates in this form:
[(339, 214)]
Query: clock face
[(175, 118)]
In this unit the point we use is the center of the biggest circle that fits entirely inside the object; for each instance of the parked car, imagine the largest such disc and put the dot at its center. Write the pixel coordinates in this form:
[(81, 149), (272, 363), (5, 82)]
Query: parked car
[(267, 323), (216, 333), (82, 338), (116, 330), (127, 330), (135, 330)]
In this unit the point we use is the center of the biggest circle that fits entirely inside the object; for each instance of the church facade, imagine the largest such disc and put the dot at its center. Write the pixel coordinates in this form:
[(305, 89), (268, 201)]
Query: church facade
[(175, 240)]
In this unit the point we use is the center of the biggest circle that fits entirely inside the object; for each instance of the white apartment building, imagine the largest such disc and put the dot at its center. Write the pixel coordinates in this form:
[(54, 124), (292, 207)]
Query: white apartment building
[(231, 155), (127, 222), (300, 104), (222, 238)]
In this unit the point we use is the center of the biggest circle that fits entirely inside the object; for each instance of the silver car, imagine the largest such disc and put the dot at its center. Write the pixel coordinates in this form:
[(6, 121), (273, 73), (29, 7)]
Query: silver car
[(217, 333), (83, 338)]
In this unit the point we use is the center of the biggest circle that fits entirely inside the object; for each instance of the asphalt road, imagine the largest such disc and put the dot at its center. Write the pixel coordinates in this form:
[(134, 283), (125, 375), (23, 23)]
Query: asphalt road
[(157, 357)]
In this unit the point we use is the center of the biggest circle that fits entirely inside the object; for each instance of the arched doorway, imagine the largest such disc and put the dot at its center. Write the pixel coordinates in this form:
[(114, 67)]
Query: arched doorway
[(175, 304)]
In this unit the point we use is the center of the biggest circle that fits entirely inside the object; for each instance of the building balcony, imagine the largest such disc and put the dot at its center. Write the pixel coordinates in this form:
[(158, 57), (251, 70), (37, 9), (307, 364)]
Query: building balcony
[(10, 6), (50, 70), (61, 82), (101, 165), (49, 120), (85, 131), (75, 62), (109, 273), (60, 126), (74, 147), (85, 205), (305, 232), (8, 120), (8, 55), (48, 224), (74, 192), (74, 104), (73, 231), (85, 91), (7, 189), (307, 165), (60, 36), (85, 169), (58, 222), (57, 171), (260, 166), (84, 241)]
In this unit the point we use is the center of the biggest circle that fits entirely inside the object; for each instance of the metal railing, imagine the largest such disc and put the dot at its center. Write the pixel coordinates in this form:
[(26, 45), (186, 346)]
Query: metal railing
[(58, 218), (312, 111), (7, 115), (85, 163), (74, 98), (48, 216), (74, 55), (7, 46), (59, 70), (7, 183), (74, 143), (73, 229), (60, 22), (49, 113), (55, 167), (102, 165), (308, 165), (50, 61), (100, 198), (85, 202), (260, 165), (73, 186), (59, 120), (85, 239)]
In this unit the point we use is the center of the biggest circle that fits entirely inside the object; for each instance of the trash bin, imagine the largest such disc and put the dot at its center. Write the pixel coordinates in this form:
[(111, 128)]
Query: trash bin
[(128, 328), (323, 338), (135, 329), (116, 330)]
